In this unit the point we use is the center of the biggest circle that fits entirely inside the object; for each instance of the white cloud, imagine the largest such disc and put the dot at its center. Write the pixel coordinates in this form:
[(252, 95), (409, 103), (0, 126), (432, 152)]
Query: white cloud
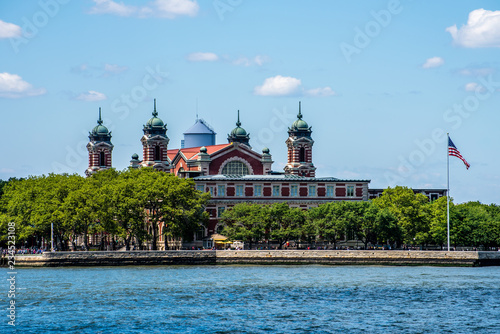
[(258, 60), (482, 30), (13, 86), (477, 72), (91, 96), (474, 87), (105, 70), (202, 56), (173, 8), (433, 62), (8, 30), (114, 69), (278, 86), (111, 7), (320, 92), (160, 8), (289, 86)]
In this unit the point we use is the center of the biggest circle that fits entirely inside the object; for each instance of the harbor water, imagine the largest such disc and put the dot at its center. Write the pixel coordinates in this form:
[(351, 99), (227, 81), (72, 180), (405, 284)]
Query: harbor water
[(254, 299)]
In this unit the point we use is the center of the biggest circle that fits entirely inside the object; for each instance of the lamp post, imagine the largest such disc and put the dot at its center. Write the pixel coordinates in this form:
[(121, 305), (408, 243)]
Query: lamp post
[(51, 237)]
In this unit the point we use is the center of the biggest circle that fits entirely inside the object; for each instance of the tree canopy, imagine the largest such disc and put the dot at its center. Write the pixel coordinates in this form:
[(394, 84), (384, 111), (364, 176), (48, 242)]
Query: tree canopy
[(137, 205), (126, 205), (398, 217)]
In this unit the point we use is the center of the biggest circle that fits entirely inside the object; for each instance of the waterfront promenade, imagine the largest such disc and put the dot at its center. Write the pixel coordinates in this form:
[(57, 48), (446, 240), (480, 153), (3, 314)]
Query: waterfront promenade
[(267, 257)]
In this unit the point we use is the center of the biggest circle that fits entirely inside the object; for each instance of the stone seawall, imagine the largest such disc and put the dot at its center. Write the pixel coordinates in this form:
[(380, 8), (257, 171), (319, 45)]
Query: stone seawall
[(267, 257), (117, 258), (361, 257)]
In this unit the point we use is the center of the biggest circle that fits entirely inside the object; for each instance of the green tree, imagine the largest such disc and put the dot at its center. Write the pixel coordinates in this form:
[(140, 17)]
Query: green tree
[(366, 222), (19, 201), (244, 222), (172, 202), (474, 224), (2, 184), (126, 206), (411, 211), (283, 223), (183, 209), (36, 202), (387, 229), (81, 210), (329, 222), (438, 221)]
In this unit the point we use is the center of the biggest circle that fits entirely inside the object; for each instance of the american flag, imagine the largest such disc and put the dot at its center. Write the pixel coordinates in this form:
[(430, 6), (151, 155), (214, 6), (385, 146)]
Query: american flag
[(453, 151)]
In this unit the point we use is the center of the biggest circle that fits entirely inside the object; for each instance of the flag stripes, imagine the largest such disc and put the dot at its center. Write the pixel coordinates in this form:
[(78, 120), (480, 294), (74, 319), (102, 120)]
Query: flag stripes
[(454, 152)]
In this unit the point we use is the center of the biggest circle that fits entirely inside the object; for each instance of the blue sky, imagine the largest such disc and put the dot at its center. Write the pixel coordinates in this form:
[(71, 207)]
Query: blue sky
[(381, 83)]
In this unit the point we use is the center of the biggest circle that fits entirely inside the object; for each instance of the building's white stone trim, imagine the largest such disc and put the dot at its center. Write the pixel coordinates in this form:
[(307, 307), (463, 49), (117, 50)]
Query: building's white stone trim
[(250, 169)]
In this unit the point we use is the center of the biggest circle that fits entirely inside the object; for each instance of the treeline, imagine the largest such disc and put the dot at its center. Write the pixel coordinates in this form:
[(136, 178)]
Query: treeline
[(127, 205), (398, 217), (130, 205)]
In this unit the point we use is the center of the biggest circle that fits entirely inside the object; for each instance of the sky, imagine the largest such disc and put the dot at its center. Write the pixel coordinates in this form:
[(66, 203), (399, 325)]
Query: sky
[(380, 82)]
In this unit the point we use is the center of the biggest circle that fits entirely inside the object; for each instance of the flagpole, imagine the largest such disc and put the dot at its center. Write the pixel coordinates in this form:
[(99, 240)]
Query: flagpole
[(448, 190)]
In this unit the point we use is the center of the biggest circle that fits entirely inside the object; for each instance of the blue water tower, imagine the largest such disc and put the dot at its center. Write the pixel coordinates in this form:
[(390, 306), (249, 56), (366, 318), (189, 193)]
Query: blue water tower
[(200, 134)]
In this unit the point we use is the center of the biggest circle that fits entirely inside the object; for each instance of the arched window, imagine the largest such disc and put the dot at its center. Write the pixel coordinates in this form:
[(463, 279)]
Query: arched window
[(157, 153), (302, 155), (235, 168), (102, 159)]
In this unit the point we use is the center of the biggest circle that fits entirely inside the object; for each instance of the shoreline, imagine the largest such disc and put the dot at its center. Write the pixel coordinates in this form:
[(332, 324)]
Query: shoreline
[(261, 257)]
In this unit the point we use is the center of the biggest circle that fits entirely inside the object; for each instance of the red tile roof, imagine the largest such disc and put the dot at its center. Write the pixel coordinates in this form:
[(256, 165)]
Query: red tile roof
[(192, 152)]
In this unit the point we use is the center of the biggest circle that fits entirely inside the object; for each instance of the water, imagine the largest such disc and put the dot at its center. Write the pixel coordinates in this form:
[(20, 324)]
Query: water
[(255, 299)]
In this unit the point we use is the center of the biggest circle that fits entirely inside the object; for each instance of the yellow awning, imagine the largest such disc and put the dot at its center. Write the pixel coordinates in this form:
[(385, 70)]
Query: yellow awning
[(217, 237)]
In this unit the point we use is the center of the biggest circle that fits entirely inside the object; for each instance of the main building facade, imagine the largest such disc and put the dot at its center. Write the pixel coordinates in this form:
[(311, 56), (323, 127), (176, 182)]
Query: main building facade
[(234, 172)]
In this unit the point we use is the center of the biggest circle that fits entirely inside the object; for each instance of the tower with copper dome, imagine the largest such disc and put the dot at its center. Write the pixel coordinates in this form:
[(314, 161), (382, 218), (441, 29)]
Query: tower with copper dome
[(239, 135), (155, 143), (299, 144), (99, 148)]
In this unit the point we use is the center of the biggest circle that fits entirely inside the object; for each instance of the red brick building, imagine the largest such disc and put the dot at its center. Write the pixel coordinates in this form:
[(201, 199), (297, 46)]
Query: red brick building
[(234, 173)]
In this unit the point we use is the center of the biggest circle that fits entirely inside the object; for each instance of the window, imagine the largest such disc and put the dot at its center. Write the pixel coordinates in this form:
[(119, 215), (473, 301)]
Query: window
[(157, 153), (200, 234), (329, 191), (302, 155), (102, 159), (235, 168), (239, 190), (221, 191), (219, 229), (350, 191), (257, 190), (220, 211), (276, 191), (200, 187), (312, 190), (294, 190), (211, 191)]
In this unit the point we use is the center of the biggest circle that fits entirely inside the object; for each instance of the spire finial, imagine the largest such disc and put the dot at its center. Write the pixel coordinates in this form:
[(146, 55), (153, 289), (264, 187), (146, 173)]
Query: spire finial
[(196, 108), (154, 111), (299, 116), (238, 123), (99, 121)]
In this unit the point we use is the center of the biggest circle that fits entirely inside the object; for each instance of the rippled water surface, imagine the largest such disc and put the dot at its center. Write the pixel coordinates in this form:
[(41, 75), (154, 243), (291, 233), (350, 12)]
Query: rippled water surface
[(255, 299)]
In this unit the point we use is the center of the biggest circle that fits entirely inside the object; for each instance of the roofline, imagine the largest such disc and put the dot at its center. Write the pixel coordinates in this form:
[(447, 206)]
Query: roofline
[(275, 179), (416, 190), (232, 146)]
